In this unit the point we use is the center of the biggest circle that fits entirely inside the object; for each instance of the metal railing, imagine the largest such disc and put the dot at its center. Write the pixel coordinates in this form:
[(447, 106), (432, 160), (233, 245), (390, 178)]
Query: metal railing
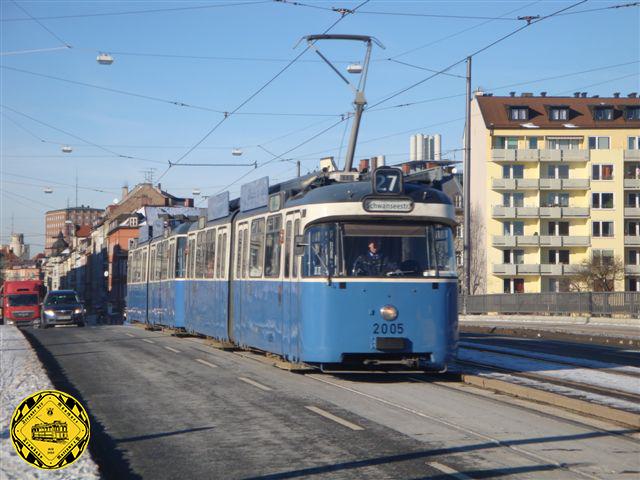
[(583, 303)]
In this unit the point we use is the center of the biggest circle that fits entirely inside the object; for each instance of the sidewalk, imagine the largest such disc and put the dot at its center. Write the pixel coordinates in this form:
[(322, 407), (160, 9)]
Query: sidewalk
[(600, 330), (21, 374)]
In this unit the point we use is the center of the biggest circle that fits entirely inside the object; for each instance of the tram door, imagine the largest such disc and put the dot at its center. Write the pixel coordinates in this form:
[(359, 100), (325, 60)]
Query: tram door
[(291, 292)]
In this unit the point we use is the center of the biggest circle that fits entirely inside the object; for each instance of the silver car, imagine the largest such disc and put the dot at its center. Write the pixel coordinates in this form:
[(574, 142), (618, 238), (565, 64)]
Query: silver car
[(62, 307)]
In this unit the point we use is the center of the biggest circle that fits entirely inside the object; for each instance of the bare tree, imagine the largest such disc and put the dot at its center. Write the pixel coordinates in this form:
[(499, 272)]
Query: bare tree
[(477, 255), (597, 274)]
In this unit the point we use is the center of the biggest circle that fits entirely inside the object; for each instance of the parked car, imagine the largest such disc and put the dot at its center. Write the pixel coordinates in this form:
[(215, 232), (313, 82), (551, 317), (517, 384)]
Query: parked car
[(62, 307)]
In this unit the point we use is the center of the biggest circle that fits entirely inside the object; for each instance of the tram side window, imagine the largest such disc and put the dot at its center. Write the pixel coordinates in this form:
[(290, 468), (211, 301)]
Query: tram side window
[(200, 252), (256, 251), (296, 231), (171, 270), (272, 247), (191, 256), (152, 261), (287, 248), (245, 254), (210, 253), (223, 255), (239, 254), (143, 276), (220, 255), (320, 256), (181, 250), (165, 258)]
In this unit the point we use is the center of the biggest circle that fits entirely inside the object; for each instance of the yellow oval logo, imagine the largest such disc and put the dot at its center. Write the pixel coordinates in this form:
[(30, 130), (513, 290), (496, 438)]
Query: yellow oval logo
[(50, 429)]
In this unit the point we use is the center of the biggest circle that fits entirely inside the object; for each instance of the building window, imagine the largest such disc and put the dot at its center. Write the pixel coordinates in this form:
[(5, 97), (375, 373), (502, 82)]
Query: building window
[(603, 113), (602, 200), (558, 257), (557, 199), (633, 257), (602, 229), (459, 231), (515, 199), (563, 143), (513, 285), (513, 228), (633, 143), (512, 171), (513, 257), (634, 285), (558, 171), (599, 143), (602, 257), (519, 113), (533, 143), (559, 113), (457, 199), (602, 172), (632, 228), (633, 200), (632, 113), (558, 229), (459, 259), (501, 143)]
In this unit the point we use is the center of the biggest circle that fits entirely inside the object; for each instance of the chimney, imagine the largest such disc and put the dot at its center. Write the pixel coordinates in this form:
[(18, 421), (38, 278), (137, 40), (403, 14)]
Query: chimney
[(526, 94), (543, 94), (125, 191), (583, 94), (576, 94), (633, 95), (364, 165), (512, 94), (616, 94), (159, 186), (374, 163)]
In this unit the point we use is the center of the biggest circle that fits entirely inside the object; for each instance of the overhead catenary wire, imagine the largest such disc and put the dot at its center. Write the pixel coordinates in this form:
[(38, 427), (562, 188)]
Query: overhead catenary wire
[(476, 52), (136, 12), (252, 96), (114, 153), (46, 182), (48, 30)]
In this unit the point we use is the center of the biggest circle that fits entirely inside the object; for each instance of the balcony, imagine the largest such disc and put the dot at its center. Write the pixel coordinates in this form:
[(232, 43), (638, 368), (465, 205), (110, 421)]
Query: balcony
[(632, 269), (564, 155), (564, 184), (632, 212), (511, 269), (632, 155), (564, 241), (510, 155), (558, 269), (514, 183), (516, 240), (564, 212), (499, 211), (633, 183), (632, 239)]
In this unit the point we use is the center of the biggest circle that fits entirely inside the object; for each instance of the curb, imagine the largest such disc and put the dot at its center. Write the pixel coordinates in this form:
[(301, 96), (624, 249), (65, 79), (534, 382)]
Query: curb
[(528, 393)]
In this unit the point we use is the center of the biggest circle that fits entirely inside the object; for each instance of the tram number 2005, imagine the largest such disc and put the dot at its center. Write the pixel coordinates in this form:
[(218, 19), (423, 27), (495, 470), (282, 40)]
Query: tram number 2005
[(384, 328)]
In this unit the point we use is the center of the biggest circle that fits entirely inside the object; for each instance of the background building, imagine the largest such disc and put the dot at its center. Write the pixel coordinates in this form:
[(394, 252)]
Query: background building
[(425, 147), (555, 182), (66, 220)]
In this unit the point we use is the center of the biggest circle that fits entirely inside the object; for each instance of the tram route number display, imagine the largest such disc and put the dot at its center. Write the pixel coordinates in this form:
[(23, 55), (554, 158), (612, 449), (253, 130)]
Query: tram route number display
[(385, 328)]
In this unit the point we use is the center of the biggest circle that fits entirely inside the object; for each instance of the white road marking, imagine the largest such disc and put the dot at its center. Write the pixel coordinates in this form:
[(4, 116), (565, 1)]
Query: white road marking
[(255, 384), (129, 335), (460, 428), (172, 350), (336, 419), (148, 341), (204, 362), (448, 471)]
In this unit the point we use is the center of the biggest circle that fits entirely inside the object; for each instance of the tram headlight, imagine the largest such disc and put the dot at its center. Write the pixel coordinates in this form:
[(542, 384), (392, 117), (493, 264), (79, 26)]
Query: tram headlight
[(389, 312)]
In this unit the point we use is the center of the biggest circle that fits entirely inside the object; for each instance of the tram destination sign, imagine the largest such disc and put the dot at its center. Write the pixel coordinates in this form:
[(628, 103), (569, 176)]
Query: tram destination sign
[(402, 205)]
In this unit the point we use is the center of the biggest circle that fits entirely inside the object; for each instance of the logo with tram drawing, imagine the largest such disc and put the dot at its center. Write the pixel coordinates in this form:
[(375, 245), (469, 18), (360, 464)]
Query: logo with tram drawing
[(50, 429)]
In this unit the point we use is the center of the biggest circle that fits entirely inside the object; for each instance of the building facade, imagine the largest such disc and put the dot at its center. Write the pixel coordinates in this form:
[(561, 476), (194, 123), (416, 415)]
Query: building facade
[(66, 220), (425, 147), (554, 181)]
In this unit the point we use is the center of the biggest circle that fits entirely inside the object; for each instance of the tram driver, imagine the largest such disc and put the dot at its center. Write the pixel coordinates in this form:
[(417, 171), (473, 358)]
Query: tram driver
[(373, 263)]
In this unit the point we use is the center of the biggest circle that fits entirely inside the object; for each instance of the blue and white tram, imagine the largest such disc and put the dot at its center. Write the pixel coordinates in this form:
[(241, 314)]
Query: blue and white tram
[(282, 278)]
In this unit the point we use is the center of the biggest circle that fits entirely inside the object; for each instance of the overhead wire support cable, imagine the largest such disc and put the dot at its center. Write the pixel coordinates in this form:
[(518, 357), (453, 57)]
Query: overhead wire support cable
[(254, 164), (476, 52), (65, 44), (250, 97), (137, 12)]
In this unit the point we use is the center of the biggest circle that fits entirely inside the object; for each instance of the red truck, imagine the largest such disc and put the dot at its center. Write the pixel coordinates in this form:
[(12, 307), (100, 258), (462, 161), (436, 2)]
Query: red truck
[(21, 301)]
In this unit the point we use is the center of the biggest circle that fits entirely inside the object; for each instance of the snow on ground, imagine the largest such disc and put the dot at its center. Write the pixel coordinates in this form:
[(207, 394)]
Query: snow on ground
[(22, 374), (582, 362), (624, 383)]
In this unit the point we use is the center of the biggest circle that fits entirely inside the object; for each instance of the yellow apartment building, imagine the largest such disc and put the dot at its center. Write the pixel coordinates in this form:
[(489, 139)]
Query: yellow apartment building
[(554, 181)]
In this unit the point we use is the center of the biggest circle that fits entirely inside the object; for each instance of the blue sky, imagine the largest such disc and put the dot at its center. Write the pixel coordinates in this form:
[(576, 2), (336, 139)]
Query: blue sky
[(161, 55)]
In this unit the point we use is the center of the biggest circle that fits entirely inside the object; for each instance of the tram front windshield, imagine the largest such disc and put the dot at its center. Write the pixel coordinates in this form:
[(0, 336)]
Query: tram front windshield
[(379, 250)]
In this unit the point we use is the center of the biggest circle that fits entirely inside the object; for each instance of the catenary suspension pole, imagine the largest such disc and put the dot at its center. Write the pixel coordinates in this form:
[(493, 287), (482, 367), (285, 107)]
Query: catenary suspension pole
[(466, 254)]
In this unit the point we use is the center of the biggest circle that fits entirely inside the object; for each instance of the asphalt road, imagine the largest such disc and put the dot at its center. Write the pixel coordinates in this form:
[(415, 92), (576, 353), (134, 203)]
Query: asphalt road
[(166, 407)]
